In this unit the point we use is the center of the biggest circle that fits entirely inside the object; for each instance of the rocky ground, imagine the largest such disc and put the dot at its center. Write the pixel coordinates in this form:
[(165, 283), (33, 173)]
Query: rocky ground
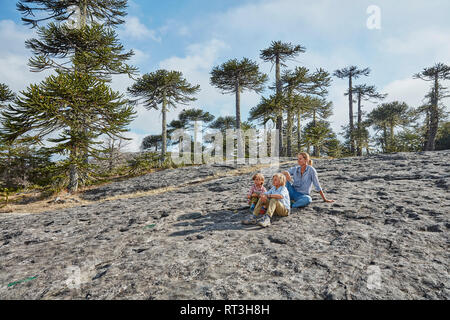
[(386, 237)]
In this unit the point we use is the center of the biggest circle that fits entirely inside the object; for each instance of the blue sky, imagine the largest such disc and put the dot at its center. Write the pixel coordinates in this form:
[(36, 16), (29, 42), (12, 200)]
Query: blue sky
[(193, 36)]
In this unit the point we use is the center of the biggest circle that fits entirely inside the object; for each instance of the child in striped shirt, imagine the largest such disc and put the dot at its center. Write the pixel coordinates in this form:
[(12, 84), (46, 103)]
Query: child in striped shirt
[(256, 190)]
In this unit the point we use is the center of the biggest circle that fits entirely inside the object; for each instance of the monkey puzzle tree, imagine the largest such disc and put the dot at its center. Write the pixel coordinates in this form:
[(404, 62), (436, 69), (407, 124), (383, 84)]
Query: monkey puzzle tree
[(363, 93), (436, 74), (154, 140), (351, 73), (6, 95), (278, 53), (165, 88), (298, 84), (265, 111), (386, 118), (236, 76), (84, 57)]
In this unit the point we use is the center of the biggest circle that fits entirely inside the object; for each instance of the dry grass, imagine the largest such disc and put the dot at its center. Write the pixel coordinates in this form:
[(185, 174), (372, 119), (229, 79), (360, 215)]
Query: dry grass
[(28, 203)]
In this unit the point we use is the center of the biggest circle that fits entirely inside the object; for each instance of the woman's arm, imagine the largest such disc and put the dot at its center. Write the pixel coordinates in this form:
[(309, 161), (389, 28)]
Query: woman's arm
[(315, 181), (323, 197)]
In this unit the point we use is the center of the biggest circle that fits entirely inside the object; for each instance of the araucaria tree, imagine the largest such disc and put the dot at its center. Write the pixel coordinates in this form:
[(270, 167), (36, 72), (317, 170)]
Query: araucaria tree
[(300, 87), (386, 118), (278, 53), (436, 75), (351, 73), (164, 88), (234, 77), (363, 93), (77, 102)]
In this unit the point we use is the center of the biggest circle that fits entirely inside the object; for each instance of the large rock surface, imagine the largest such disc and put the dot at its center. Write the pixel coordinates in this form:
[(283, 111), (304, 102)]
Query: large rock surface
[(386, 237)]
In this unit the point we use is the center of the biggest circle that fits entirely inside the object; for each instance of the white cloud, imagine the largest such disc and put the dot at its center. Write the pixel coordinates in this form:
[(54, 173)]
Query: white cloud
[(135, 29), (196, 66), (14, 69), (409, 90), (431, 43)]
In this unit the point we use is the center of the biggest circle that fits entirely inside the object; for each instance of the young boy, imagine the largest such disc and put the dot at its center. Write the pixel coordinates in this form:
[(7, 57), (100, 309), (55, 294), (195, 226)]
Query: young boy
[(276, 200)]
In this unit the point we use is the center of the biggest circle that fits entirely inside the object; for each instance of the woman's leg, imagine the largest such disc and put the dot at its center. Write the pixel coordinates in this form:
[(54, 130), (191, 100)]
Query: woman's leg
[(302, 201), (293, 194)]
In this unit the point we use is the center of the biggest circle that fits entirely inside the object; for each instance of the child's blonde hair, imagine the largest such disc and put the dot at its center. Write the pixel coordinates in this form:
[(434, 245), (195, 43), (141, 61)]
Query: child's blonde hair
[(258, 175), (281, 177)]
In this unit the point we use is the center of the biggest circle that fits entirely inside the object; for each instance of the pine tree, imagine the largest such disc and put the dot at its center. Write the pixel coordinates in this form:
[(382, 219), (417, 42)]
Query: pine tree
[(298, 84), (6, 95), (84, 57), (165, 88), (234, 77), (351, 73), (436, 75), (150, 141), (58, 105), (386, 118), (278, 53), (363, 93)]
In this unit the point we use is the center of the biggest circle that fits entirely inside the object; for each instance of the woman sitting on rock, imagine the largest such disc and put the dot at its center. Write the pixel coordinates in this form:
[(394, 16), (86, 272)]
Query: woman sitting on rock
[(300, 180)]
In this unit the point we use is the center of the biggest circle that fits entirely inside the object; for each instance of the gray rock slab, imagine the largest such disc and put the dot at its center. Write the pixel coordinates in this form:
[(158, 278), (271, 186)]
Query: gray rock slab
[(386, 237)]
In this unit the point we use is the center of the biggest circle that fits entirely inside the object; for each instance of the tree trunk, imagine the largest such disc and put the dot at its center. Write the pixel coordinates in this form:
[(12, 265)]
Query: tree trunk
[(238, 106), (359, 147), (385, 139), (391, 138), (434, 116), (279, 125), (299, 133), (164, 129), (289, 131), (315, 147), (350, 114), (73, 172)]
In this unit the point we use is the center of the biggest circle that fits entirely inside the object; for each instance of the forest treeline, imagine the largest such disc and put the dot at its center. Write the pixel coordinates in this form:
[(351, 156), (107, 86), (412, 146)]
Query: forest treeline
[(75, 114)]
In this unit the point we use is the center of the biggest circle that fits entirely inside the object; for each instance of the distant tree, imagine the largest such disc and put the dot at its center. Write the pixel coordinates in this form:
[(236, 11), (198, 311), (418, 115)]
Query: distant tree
[(317, 134), (265, 111), (436, 74), (386, 118), (333, 147), (236, 76), (223, 123), (408, 141), (151, 141), (443, 136), (363, 93), (351, 73), (278, 53), (113, 151), (165, 88)]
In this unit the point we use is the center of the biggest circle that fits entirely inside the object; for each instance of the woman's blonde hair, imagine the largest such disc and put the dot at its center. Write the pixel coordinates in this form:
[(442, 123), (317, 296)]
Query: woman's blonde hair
[(281, 177), (306, 156), (258, 175)]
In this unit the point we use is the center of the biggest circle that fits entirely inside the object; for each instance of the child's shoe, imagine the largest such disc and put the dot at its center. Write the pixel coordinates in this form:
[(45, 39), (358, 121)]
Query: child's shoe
[(264, 221), (251, 220), (252, 207), (263, 210)]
